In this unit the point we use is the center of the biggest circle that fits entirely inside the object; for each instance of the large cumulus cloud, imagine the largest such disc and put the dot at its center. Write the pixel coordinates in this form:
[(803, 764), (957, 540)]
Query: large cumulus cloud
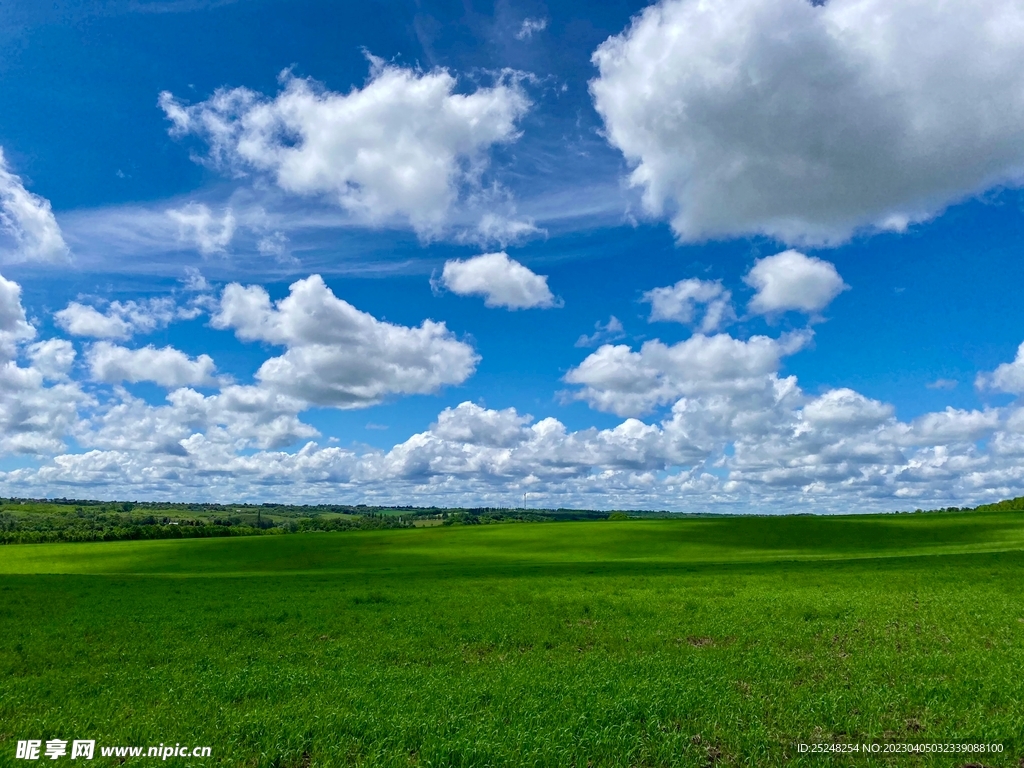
[(806, 121), (338, 356), (404, 147), (28, 220)]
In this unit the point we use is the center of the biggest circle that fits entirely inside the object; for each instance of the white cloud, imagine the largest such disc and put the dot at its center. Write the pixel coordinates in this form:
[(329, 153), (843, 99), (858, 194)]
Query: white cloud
[(29, 219), (214, 426), (1008, 377), (194, 280), (168, 367), (806, 121), (735, 433), (953, 425), (942, 384), (628, 383), (471, 423), (198, 226), (503, 282), (14, 326), (404, 146), (338, 356), (844, 409), (485, 447), (791, 280), (604, 333), (772, 448), (81, 320), (504, 230), (121, 320), (34, 418), (275, 244), (530, 26), (681, 303), (53, 358)]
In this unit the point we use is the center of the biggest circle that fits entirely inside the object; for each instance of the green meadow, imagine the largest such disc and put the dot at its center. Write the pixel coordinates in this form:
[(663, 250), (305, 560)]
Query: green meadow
[(696, 642)]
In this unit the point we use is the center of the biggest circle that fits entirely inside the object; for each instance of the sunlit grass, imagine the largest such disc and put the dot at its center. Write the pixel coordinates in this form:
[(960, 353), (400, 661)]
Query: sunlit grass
[(601, 644)]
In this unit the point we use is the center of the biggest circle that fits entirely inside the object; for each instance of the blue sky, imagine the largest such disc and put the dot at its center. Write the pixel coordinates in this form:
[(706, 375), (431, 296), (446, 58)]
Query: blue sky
[(730, 256)]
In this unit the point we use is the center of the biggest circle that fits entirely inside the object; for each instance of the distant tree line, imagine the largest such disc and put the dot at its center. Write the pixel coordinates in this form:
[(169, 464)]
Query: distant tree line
[(202, 508), (31, 521), (82, 523), (490, 515)]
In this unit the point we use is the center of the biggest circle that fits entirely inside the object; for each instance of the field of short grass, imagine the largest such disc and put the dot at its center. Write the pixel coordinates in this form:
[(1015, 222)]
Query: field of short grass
[(637, 643)]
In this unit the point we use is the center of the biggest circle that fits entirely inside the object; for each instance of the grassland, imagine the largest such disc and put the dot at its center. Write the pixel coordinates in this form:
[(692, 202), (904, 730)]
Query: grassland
[(635, 643)]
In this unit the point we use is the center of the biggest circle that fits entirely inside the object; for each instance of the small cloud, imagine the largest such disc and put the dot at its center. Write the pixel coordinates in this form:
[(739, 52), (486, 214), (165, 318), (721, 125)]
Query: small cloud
[(503, 230), (122, 320), (198, 226), (276, 246), (942, 384), (52, 358), (604, 333), (372, 425), (529, 26), (793, 281), (194, 280), (703, 303), (503, 282)]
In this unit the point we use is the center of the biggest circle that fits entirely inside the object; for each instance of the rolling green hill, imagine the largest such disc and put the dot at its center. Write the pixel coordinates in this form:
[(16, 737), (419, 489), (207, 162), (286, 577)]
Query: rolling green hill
[(717, 641)]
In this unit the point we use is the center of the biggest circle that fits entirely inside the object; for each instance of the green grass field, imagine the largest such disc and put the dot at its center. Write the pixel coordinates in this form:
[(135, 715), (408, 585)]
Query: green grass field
[(639, 643)]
